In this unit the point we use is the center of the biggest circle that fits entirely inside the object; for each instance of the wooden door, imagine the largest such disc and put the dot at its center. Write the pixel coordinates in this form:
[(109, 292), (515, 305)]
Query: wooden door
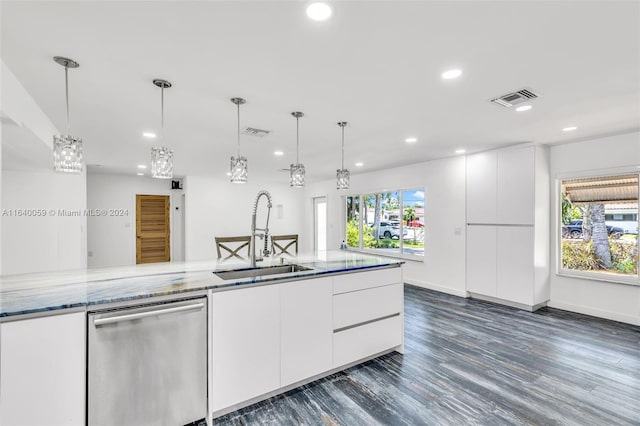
[(152, 228)]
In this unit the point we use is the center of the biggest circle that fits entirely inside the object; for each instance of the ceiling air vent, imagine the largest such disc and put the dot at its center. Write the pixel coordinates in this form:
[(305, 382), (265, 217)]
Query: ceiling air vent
[(511, 99), (255, 132)]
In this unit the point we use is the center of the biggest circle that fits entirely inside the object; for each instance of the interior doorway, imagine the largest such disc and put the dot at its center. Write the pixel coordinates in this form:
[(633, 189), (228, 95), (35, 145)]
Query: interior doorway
[(153, 228), (320, 224)]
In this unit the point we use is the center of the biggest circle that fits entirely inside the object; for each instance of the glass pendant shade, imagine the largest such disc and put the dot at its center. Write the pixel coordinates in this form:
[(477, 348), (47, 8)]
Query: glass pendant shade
[(342, 175), (67, 150), (161, 156), (239, 169), (239, 164), (67, 154), (161, 162), (342, 178), (297, 176)]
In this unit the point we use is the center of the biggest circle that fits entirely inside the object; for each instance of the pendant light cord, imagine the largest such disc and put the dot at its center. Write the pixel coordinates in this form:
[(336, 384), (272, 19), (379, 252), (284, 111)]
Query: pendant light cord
[(342, 147), (297, 140), (66, 90), (162, 111), (238, 130)]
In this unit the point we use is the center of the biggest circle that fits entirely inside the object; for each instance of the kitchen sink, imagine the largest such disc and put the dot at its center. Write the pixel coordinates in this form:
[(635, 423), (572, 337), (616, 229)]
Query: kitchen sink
[(233, 274)]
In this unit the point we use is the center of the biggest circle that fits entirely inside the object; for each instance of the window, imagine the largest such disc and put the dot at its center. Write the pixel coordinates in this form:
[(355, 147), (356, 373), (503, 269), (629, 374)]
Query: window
[(600, 226), (392, 222)]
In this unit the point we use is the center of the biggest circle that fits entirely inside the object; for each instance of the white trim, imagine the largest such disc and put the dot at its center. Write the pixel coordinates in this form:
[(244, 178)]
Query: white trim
[(523, 306), (436, 287), (600, 313), (603, 276)]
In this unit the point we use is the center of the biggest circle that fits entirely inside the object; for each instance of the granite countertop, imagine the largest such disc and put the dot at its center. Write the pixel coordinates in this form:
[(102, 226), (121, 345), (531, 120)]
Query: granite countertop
[(41, 292)]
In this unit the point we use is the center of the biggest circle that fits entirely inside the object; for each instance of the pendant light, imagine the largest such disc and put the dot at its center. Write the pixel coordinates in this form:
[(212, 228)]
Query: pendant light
[(67, 149), (297, 170), (239, 164), (161, 157), (342, 174)]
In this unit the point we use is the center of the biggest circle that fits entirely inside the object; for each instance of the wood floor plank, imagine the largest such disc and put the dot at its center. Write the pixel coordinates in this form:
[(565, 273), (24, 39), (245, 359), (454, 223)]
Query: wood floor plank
[(469, 362)]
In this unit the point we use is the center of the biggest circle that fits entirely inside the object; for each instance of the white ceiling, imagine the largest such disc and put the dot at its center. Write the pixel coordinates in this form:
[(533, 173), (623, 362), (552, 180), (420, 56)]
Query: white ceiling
[(375, 64)]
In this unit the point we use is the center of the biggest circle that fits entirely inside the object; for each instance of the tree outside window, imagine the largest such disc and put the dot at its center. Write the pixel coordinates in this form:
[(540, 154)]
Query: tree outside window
[(595, 236)]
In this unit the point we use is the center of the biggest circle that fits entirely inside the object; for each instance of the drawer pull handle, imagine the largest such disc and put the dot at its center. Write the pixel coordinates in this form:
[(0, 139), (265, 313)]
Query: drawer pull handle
[(338, 330)]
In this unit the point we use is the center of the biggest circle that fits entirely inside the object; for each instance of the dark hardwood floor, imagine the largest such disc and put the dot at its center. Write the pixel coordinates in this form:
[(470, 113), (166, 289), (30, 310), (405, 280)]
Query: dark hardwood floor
[(471, 362)]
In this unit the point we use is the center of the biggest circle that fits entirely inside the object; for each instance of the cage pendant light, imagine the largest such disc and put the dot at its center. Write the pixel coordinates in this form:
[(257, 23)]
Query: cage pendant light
[(297, 170), (342, 174), (239, 164), (67, 149), (161, 156)]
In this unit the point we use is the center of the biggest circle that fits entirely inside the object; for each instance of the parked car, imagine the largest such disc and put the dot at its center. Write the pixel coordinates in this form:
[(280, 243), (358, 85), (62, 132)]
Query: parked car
[(390, 230), (574, 230), (415, 223)]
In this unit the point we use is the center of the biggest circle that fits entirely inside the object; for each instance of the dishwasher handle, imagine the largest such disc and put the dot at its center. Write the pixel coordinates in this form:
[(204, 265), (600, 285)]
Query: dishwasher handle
[(129, 317)]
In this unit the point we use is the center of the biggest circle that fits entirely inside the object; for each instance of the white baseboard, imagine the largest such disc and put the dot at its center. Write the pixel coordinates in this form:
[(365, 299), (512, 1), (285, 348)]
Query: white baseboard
[(594, 312), (441, 289)]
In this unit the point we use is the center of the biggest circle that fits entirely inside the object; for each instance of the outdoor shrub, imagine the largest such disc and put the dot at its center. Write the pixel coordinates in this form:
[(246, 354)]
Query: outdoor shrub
[(388, 243), (579, 255)]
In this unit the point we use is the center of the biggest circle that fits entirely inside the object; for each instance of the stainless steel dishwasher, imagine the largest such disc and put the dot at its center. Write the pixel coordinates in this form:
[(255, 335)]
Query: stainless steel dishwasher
[(148, 365)]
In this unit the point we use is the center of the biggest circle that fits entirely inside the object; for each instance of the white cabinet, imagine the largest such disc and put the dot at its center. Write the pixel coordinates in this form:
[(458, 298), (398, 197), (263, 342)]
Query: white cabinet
[(245, 344), (515, 186), (481, 187), (515, 271), (306, 330), (482, 260), (500, 186), (508, 225), (367, 314), (42, 371), (266, 338)]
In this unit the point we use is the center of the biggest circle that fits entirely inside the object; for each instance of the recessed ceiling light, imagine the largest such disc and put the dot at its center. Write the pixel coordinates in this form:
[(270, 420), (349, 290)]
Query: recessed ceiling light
[(411, 140), (460, 151), (569, 129), (140, 174), (359, 164), (319, 11), (278, 153), (448, 75), (228, 173), (524, 108), (142, 166), (149, 135)]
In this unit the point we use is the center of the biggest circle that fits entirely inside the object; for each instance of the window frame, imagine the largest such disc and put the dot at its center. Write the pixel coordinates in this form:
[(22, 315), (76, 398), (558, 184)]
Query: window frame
[(601, 276), (360, 249)]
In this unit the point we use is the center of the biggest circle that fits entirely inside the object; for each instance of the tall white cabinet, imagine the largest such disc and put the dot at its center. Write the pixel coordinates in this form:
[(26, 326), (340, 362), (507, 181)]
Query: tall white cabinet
[(508, 226)]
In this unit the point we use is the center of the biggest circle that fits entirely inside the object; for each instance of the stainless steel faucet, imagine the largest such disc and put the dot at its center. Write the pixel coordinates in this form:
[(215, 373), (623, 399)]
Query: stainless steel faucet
[(265, 231)]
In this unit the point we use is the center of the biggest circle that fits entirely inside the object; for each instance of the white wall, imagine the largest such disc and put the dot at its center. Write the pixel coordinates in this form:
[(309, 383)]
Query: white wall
[(112, 239), (43, 243), (608, 300), (443, 268), (216, 207)]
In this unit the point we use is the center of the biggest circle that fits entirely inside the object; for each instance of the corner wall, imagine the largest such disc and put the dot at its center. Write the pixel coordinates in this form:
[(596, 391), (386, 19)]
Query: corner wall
[(618, 302), (52, 241)]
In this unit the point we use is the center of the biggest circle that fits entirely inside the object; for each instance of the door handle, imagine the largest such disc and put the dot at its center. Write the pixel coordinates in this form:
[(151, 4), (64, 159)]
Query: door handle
[(129, 317)]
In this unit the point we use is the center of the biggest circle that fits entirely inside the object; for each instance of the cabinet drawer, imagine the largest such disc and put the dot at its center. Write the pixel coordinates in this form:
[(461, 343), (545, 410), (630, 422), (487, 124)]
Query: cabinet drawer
[(366, 305), (363, 280), (360, 342)]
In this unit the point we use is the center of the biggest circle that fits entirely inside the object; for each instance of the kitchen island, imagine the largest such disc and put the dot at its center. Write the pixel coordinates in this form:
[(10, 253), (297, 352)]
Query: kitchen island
[(265, 333)]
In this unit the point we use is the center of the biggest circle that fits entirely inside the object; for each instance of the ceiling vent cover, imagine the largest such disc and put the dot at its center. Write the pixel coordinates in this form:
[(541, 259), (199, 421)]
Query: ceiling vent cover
[(251, 131), (515, 98)]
